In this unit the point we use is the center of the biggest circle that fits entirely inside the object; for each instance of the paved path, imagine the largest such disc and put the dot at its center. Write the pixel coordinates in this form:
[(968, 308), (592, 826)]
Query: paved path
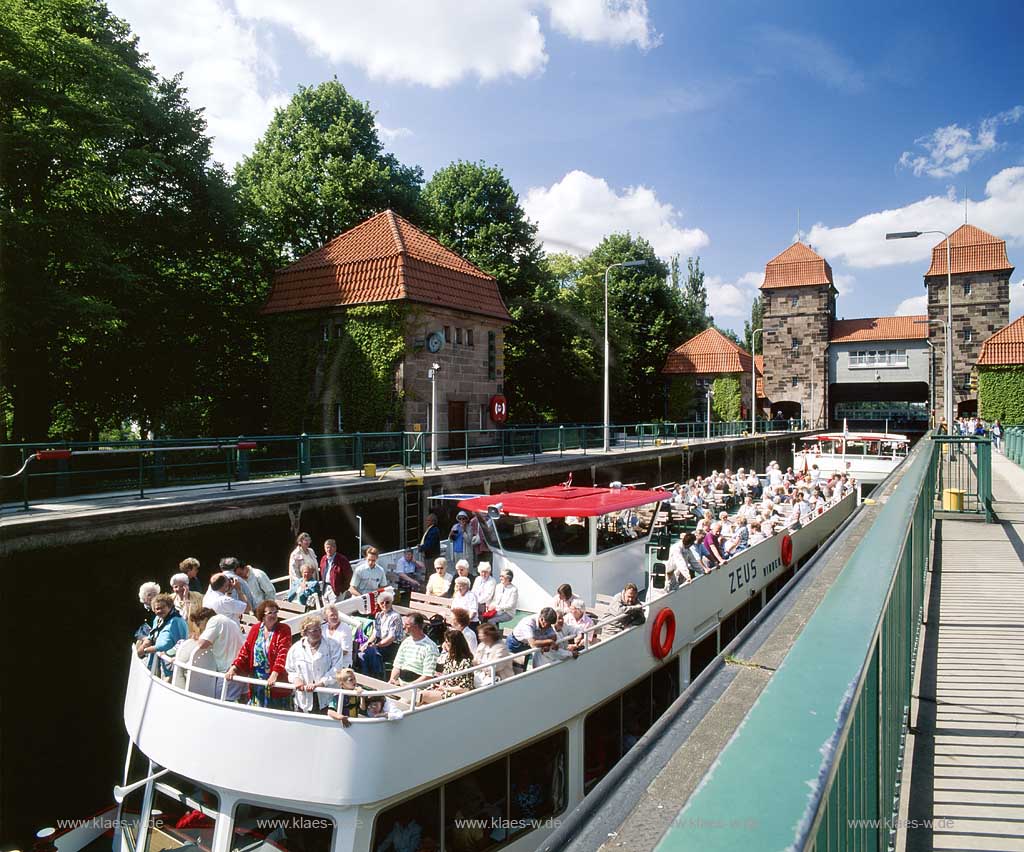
[(966, 761)]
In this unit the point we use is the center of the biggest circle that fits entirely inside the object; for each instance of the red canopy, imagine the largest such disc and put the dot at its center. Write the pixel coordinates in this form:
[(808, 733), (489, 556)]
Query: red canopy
[(557, 501)]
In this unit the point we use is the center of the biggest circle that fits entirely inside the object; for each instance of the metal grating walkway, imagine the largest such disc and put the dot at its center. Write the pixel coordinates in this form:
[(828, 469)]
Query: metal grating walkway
[(965, 761)]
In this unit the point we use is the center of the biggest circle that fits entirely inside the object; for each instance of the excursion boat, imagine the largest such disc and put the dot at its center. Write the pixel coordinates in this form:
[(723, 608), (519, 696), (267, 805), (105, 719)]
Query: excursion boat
[(869, 457), (491, 768)]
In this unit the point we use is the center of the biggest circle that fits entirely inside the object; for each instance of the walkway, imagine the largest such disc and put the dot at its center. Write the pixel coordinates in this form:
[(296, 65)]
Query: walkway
[(965, 759)]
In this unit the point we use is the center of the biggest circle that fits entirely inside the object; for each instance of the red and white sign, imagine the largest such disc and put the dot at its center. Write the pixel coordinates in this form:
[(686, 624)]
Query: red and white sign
[(499, 408)]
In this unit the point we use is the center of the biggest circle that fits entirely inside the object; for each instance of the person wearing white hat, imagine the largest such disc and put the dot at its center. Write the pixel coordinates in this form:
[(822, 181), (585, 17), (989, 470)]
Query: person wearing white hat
[(460, 538), (484, 585)]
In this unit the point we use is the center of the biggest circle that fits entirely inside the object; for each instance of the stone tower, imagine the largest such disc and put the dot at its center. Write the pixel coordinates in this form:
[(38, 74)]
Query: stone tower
[(981, 306), (799, 299)]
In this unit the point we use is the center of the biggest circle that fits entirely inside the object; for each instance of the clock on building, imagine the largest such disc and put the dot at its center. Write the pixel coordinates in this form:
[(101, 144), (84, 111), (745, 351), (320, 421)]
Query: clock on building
[(435, 342)]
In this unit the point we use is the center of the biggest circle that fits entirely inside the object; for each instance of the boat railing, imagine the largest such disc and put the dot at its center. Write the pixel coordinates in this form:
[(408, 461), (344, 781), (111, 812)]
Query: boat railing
[(411, 690)]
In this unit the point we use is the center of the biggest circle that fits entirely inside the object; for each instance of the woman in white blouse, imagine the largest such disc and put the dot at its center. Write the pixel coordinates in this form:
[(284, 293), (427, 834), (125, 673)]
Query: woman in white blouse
[(489, 650), (339, 628), (302, 555)]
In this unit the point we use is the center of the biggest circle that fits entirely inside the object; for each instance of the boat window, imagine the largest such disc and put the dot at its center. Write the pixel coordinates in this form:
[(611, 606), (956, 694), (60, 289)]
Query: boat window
[(537, 782), (665, 686), (476, 809), (411, 824), (636, 713), (520, 535), (602, 733), (618, 528), (184, 814), (487, 529), (261, 826), (569, 536)]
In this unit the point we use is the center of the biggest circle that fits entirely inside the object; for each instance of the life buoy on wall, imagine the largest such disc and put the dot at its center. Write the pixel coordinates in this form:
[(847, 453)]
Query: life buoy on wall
[(663, 633), (786, 550)]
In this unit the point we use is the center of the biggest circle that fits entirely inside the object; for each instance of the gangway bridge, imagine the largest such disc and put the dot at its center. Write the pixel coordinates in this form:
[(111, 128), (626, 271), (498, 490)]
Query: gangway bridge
[(877, 704)]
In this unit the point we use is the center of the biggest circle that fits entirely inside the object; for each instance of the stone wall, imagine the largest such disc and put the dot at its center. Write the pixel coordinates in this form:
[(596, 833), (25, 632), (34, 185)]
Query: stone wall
[(464, 374), (797, 322), (983, 311)]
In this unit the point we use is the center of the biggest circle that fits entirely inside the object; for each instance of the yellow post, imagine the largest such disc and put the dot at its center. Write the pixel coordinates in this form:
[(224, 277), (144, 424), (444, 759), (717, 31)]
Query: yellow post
[(370, 470), (953, 499)]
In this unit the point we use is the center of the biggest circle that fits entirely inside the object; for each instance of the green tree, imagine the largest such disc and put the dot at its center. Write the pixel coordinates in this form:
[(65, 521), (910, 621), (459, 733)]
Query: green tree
[(750, 326), (695, 294), (319, 170)]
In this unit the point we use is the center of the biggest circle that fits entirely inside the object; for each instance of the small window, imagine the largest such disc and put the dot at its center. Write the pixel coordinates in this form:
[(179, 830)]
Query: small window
[(419, 817), (458, 336), (447, 334), (794, 300), (288, 831), (569, 537), (520, 535), (472, 800), (792, 381), (538, 786), (968, 335), (469, 337), (796, 344), (967, 289), (618, 528)]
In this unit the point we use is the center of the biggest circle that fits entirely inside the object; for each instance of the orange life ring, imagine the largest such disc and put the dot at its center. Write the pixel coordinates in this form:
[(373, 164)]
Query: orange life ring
[(787, 550), (661, 646)]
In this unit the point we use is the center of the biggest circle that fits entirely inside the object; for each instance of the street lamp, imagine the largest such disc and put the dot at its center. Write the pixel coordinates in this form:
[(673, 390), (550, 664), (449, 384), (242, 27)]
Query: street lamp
[(947, 384), (753, 381), (432, 375), (607, 417)]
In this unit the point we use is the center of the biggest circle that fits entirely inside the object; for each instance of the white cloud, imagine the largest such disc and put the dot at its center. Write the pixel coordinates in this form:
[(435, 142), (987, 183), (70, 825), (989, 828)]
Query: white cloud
[(844, 283), (226, 66), (576, 213), (729, 301), (953, 149), (812, 55), (1016, 299), (862, 243), (611, 21), (439, 42), (390, 134), (913, 306)]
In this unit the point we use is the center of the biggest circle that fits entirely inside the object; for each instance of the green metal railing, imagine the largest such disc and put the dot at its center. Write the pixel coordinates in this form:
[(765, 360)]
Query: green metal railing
[(963, 482), (140, 466), (1013, 444), (816, 763)]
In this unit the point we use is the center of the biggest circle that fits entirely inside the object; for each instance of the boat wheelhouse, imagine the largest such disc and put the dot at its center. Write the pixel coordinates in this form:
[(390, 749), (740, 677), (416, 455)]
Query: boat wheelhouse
[(491, 768), (869, 457)]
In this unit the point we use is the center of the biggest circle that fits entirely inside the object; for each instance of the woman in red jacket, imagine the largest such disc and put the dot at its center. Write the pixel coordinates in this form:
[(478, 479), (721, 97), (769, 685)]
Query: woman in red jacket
[(263, 656)]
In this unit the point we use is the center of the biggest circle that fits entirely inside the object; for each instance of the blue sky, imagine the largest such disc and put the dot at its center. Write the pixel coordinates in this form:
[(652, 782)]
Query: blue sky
[(705, 127)]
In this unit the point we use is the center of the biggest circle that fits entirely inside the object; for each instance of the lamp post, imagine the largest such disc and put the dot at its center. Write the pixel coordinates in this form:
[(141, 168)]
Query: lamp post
[(753, 381), (711, 394), (432, 375), (607, 417), (947, 384)]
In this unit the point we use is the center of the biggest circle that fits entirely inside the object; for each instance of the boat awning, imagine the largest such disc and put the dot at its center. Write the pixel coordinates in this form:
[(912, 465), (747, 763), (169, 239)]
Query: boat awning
[(557, 501)]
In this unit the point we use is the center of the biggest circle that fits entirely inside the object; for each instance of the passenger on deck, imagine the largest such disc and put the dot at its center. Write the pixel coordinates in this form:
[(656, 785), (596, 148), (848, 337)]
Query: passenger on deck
[(308, 591), (388, 631), (147, 591), (712, 545), (217, 645), (579, 620), (169, 629), (313, 661), (562, 599), (566, 644), (339, 628), (369, 577), (350, 704), (537, 632), (484, 585), (740, 539), (335, 571), (459, 658), (185, 602), (626, 605), (677, 569), (218, 598), (259, 583), (440, 581), (756, 536), (417, 655), (190, 567), (464, 599), (462, 570), (430, 544), (460, 538), (491, 649), (408, 574), (695, 562), (302, 554), (459, 620), (263, 656), (240, 588), (505, 603)]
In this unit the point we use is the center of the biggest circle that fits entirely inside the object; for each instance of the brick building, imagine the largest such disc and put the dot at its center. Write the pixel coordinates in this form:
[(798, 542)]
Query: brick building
[(981, 306), (450, 312), (799, 303), (704, 358), (1001, 375)]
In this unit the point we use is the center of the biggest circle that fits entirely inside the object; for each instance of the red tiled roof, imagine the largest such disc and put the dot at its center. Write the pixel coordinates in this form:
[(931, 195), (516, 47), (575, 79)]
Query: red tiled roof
[(708, 352), (971, 250), (759, 371), (797, 266), (879, 328), (1006, 346), (384, 259)]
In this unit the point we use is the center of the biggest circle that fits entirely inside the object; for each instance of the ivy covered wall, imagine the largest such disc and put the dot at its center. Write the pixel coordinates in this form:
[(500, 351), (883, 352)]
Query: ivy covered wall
[(355, 366), (727, 401), (1001, 394)]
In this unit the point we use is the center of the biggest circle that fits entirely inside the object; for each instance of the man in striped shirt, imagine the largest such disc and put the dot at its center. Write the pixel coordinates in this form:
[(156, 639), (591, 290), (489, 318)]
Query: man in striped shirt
[(416, 659)]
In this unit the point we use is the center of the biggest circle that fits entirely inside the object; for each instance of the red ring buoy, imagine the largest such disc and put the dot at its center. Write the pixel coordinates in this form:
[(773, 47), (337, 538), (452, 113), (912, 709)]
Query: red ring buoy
[(787, 550), (661, 647)]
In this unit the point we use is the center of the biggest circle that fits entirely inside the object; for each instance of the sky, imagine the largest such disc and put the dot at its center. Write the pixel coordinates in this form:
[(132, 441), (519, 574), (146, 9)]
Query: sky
[(725, 130)]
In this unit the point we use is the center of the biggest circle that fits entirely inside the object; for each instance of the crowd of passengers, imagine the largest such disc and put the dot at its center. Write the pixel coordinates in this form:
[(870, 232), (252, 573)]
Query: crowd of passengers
[(193, 627), (783, 501)]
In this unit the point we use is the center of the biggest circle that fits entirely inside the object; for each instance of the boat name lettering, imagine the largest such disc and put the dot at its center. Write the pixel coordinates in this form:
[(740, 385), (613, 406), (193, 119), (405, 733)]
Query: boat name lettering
[(747, 572)]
